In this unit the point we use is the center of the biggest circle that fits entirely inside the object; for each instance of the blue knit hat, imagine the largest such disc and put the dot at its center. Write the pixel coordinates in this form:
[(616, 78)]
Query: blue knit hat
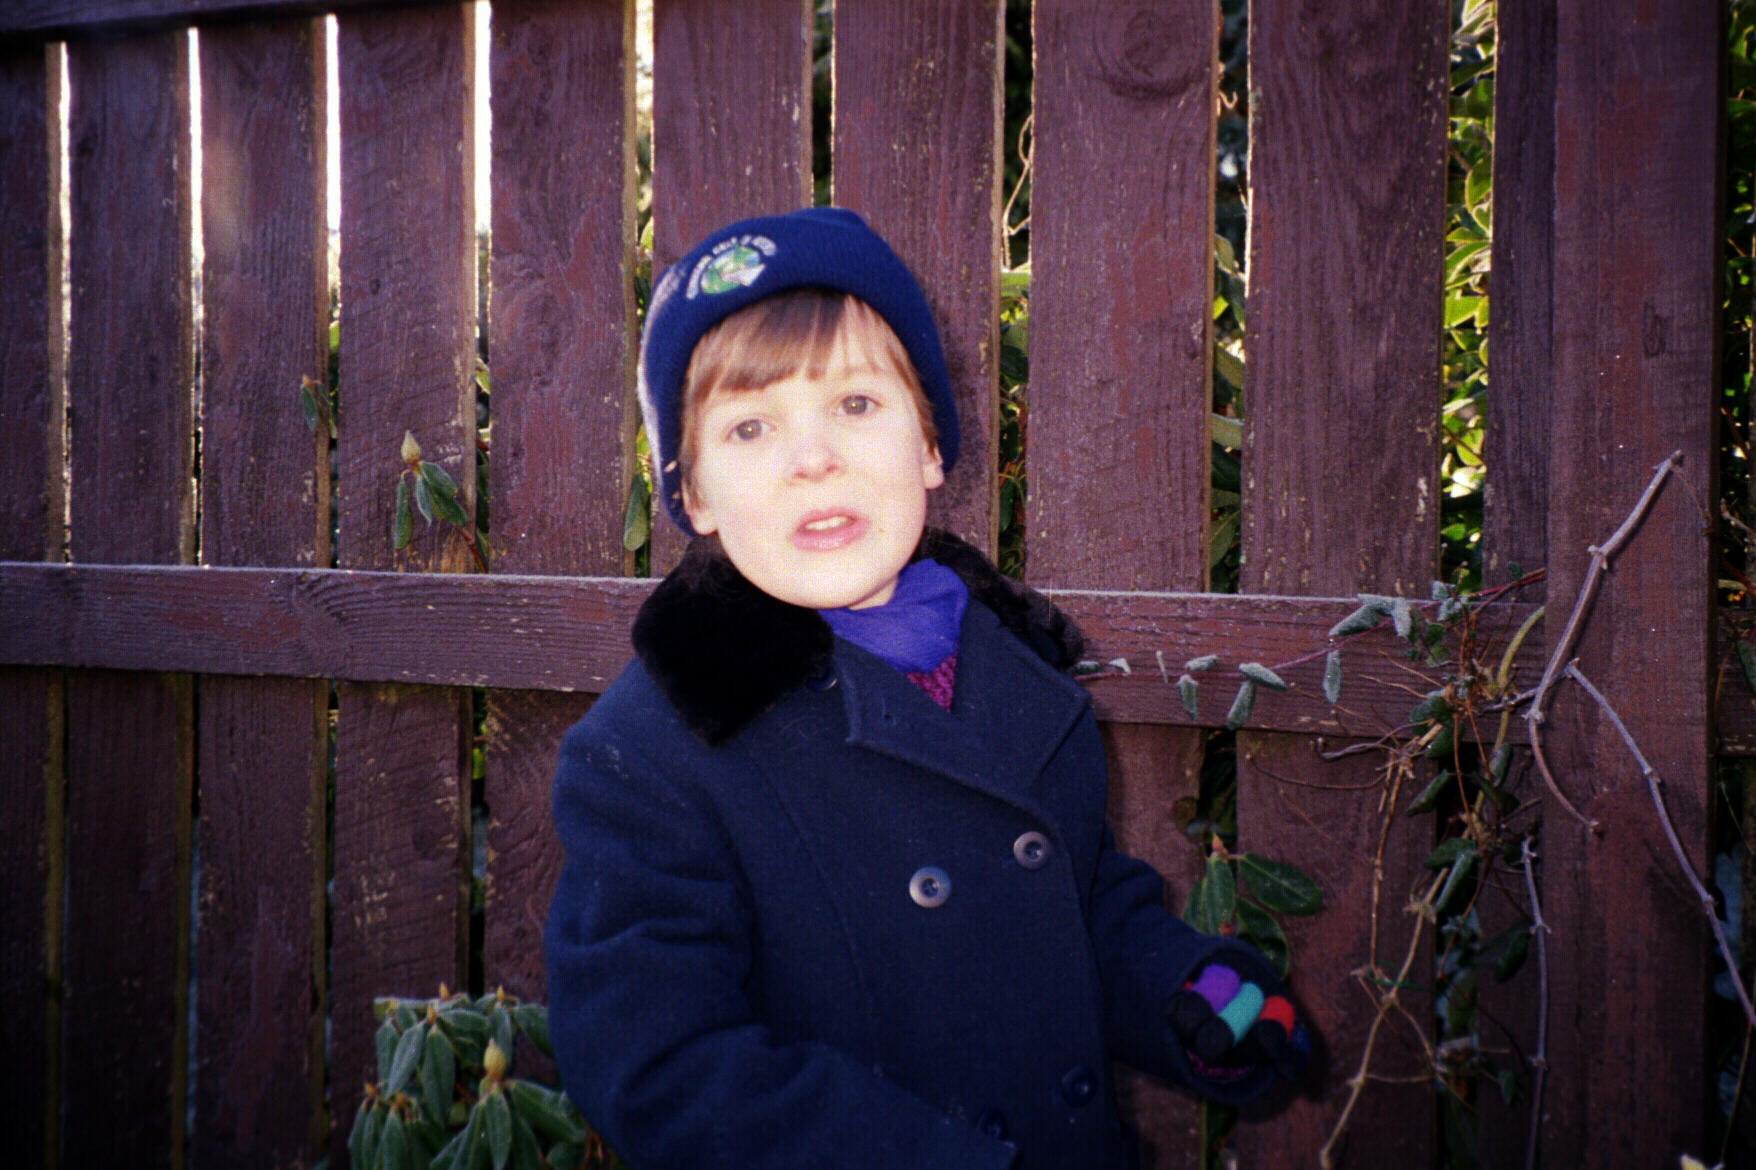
[(818, 247)]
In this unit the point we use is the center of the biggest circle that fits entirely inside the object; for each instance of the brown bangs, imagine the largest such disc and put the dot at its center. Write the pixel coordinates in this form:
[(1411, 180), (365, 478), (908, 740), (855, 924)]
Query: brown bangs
[(792, 332)]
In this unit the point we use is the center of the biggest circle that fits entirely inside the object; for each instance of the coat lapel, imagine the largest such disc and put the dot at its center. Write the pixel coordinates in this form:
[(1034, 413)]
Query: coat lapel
[(1021, 706)]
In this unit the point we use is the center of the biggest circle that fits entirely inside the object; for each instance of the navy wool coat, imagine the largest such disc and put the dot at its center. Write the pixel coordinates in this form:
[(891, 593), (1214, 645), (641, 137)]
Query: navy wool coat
[(808, 918)]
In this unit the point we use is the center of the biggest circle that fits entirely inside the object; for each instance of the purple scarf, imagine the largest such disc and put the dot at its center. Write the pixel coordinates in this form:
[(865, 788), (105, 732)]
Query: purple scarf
[(917, 628)]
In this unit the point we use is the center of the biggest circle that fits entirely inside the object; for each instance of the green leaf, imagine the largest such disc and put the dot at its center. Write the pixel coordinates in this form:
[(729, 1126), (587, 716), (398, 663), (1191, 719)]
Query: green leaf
[(1442, 744), (1430, 794), (1241, 706), (1332, 678), (1362, 619), (1257, 927), (438, 1075), (549, 1113), (526, 1154), (446, 1158), (1227, 432), (1190, 694), (1402, 617), (1258, 673), (408, 1053), (1517, 945), (1217, 897), (500, 1028), (308, 404), (1283, 888), (384, 1040), (1454, 881), (1747, 660), (363, 1138), (393, 1153), (438, 479), (637, 519), (567, 1155), (498, 1117), (402, 523), (533, 1020), (423, 498), (1449, 850)]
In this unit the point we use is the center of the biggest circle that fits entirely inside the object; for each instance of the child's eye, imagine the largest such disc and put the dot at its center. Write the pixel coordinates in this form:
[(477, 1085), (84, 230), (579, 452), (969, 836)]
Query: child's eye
[(747, 430), (856, 404)]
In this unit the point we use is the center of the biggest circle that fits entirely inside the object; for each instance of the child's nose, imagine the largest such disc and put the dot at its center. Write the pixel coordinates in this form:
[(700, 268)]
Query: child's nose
[(814, 457)]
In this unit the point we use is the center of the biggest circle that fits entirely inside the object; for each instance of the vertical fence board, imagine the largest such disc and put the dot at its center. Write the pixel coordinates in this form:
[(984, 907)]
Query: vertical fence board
[(1347, 168), (131, 445), (917, 152), (265, 496), (1516, 485), (28, 531), (1121, 259), (563, 203), (408, 311), (1639, 111), (731, 135)]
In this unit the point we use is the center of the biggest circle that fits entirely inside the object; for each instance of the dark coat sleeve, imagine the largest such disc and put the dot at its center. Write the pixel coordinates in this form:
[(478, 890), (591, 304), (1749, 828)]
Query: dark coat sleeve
[(1146, 953), (649, 949)]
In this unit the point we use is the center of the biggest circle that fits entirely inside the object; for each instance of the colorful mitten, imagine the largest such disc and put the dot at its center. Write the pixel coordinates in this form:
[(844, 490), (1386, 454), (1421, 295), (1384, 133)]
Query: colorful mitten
[(1228, 1024)]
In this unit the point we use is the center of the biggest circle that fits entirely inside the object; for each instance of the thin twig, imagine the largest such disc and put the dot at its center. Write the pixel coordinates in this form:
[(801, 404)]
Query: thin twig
[(1658, 802), (1357, 1082), (1540, 1061), (1563, 649)]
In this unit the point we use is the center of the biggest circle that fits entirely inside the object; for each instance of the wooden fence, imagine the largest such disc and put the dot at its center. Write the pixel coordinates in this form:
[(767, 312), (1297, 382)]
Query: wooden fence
[(200, 899)]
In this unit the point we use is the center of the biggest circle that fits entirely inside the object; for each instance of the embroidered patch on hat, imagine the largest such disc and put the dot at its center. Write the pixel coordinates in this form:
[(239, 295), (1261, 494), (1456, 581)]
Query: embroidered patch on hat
[(733, 264)]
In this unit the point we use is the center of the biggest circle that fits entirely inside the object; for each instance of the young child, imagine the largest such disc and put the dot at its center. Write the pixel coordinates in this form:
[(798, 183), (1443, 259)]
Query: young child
[(838, 890)]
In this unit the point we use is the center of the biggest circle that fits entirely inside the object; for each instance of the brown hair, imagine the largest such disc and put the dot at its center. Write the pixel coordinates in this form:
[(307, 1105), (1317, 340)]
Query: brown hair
[(789, 333)]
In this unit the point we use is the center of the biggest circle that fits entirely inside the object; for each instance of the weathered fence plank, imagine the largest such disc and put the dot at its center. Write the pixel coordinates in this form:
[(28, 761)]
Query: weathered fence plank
[(408, 311), (1516, 484), (1639, 108), (1347, 162), (917, 153), (131, 445), (264, 747), (1121, 308), (561, 75), (71, 18), (731, 135), (30, 528)]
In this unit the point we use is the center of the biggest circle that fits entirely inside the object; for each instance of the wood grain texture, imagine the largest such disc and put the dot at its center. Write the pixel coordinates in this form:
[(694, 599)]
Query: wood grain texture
[(561, 74), (1638, 119), (263, 755), (1121, 295), (731, 135), (29, 528), (408, 312), (1516, 441), (128, 736), (1521, 376), (571, 634), (1347, 168), (73, 18), (917, 153)]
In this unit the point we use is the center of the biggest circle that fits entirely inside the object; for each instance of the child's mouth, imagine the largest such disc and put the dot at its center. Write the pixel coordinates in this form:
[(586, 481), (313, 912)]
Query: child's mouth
[(825, 531)]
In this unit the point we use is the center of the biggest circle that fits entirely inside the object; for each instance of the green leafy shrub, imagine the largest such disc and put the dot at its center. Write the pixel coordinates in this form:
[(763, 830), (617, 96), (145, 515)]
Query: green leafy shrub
[(443, 1099)]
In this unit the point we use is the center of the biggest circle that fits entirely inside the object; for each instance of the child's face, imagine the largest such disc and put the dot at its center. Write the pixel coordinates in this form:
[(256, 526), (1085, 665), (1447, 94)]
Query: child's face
[(816, 486)]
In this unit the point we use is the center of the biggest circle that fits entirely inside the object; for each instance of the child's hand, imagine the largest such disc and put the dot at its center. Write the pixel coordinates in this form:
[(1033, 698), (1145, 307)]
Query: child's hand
[(1228, 1025)]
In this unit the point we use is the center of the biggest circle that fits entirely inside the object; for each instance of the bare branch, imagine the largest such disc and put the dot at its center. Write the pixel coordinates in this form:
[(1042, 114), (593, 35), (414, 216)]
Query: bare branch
[(1539, 1062)]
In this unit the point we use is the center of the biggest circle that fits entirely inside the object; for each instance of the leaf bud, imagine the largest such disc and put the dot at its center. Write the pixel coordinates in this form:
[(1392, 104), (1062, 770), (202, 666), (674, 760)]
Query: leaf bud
[(411, 449), (494, 1061)]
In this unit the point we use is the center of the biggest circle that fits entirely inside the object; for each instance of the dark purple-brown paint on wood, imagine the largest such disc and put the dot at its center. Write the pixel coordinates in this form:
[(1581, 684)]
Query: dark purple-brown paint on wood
[(1639, 108), (1121, 291), (265, 501), (743, 150), (28, 531), (1347, 168), (408, 312), (563, 351), (917, 153), (131, 447)]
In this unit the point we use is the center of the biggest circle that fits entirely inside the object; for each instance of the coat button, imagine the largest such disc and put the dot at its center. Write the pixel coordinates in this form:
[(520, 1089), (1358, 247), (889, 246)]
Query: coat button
[(1079, 1086), (1031, 850), (929, 887), (992, 1123)]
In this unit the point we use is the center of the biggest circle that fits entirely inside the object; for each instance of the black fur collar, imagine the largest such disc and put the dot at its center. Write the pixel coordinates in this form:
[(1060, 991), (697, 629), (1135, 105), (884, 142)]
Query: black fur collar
[(723, 651)]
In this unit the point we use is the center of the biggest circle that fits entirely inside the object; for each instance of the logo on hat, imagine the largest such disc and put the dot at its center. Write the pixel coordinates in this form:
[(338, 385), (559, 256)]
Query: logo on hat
[(733, 264)]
